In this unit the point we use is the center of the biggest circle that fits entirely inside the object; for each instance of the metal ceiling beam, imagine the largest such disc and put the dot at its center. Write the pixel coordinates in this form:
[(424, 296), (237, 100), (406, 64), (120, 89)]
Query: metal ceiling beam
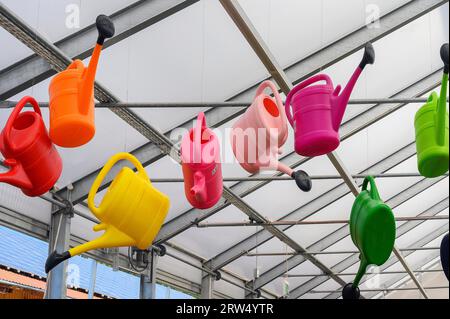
[(354, 259), (128, 21), (337, 51)]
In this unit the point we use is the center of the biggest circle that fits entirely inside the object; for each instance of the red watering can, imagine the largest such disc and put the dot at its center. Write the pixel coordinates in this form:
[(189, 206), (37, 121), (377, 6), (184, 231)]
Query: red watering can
[(34, 162), (202, 169), (72, 122), (317, 111), (259, 134), (444, 255)]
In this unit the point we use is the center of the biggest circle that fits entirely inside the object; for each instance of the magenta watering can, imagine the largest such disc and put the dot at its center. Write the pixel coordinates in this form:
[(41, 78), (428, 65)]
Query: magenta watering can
[(259, 134), (316, 111), (202, 169)]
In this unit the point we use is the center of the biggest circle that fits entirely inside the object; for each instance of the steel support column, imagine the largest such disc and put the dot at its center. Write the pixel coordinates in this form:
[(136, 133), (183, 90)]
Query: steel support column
[(93, 279)]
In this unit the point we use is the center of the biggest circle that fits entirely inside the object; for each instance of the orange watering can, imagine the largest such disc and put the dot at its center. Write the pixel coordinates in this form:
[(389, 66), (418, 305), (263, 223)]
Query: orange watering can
[(131, 213), (72, 121), (258, 136)]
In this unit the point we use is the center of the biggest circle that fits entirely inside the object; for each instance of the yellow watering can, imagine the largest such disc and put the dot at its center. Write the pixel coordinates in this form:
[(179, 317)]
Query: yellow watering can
[(131, 213)]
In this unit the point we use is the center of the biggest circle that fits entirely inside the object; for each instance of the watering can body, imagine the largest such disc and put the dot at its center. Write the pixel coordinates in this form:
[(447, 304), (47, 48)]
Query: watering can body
[(432, 134), (259, 134), (202, 169), (131, 213), (34, 162), (72, 122), (315, 111), (372, 229)]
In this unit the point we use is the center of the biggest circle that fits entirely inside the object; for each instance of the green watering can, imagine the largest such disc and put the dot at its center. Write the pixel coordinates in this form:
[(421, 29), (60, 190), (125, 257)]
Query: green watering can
[(373, 231), (431, 124)]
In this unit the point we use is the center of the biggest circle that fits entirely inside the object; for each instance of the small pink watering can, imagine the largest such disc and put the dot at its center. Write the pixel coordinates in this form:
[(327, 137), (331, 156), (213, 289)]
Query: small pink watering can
[(202, 169), (317, 111), (259, 134)]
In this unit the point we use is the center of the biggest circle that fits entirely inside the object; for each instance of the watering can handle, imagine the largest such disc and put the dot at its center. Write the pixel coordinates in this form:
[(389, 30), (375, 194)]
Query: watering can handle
[(269, 84), (99, 180), (373, 187), (301, 86), (19, 107), (201, 124)]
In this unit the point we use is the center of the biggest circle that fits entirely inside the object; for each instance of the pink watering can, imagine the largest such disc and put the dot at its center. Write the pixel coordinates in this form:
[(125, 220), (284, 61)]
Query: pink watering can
[(317, 111), (259, 134), (202, 169)]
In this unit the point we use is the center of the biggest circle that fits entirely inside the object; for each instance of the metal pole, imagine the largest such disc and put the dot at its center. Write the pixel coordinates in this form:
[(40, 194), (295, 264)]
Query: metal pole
[(303, 222), (354, 273), (286, 178), (190, 105), (93, 279)]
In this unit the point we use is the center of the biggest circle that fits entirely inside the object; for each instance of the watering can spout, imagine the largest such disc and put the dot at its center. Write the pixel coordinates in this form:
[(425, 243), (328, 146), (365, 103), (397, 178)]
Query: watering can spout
[(351, 291), (87, 86), (199, 189), (55, 259), (111, 238), (16, 176), (302, 180), (106, 29)]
